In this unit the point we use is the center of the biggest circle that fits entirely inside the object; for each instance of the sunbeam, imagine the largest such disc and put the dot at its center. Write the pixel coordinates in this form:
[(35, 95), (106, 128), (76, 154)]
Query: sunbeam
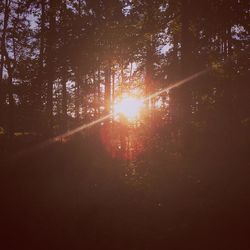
[(106, 117), (177, 84)]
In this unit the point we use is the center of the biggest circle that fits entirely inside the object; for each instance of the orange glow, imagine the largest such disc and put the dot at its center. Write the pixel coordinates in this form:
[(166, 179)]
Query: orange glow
[(129, 106)]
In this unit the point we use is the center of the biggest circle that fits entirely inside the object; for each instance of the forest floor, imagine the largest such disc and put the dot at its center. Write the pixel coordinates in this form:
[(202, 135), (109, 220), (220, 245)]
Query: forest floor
[(74, 195)]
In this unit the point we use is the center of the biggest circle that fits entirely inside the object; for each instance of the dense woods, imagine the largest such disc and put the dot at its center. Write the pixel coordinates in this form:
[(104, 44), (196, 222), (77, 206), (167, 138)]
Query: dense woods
[(64, 62), (183, 165)]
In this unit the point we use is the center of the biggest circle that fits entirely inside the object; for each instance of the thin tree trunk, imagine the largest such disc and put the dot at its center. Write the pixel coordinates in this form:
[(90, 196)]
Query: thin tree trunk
[(107, 89), (229, 41), (10, 129), (130, 72), (51, 64), (122, 78), (64, 70), (95, 94), (5, 25), (113, 92), (10, 69), (39, 84), (99, 90), (64, 100), (186, 61), (185, 38), (184, 92), (77, 94), (2, 96), (148, 78)]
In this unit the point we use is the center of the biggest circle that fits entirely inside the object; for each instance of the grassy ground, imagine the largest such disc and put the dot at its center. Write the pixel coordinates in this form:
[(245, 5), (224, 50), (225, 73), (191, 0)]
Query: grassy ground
[(73, 195)]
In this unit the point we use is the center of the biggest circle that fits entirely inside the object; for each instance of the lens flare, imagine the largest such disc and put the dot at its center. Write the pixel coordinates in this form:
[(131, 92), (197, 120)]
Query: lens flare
[(129, 106)]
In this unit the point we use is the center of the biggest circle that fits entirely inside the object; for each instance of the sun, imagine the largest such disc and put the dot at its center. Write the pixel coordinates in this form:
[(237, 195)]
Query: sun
[(129, 106)]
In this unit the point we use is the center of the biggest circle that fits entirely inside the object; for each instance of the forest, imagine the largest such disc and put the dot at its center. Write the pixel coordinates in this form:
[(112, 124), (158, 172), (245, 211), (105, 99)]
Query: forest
[(124, 124)]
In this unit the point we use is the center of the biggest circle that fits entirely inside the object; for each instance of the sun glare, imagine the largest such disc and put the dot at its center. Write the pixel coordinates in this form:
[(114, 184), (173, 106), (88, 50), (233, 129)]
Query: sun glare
[(129, 106)]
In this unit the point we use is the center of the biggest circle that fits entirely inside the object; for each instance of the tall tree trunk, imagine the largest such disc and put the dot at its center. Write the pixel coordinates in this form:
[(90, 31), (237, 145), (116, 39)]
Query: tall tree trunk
[(51, 63), (64, 99), (10, 129), (229, 40), (122, 77), (149, 79), (107, 96), (39, 85), (186, 69), (3, 51), (185, 39), (64, 68), (10, 69), (1, 86), (95, 83), (173, 95), (77, 94), (186, 59), (99, 90), (113, 91)]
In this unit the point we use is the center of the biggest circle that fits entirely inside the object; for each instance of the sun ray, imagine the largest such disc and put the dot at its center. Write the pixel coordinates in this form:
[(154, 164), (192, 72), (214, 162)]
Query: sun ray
[(129, 107)]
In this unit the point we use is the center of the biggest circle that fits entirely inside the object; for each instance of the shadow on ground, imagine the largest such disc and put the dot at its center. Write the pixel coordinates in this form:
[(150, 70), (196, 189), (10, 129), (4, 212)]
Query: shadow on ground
[(73, 195)]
